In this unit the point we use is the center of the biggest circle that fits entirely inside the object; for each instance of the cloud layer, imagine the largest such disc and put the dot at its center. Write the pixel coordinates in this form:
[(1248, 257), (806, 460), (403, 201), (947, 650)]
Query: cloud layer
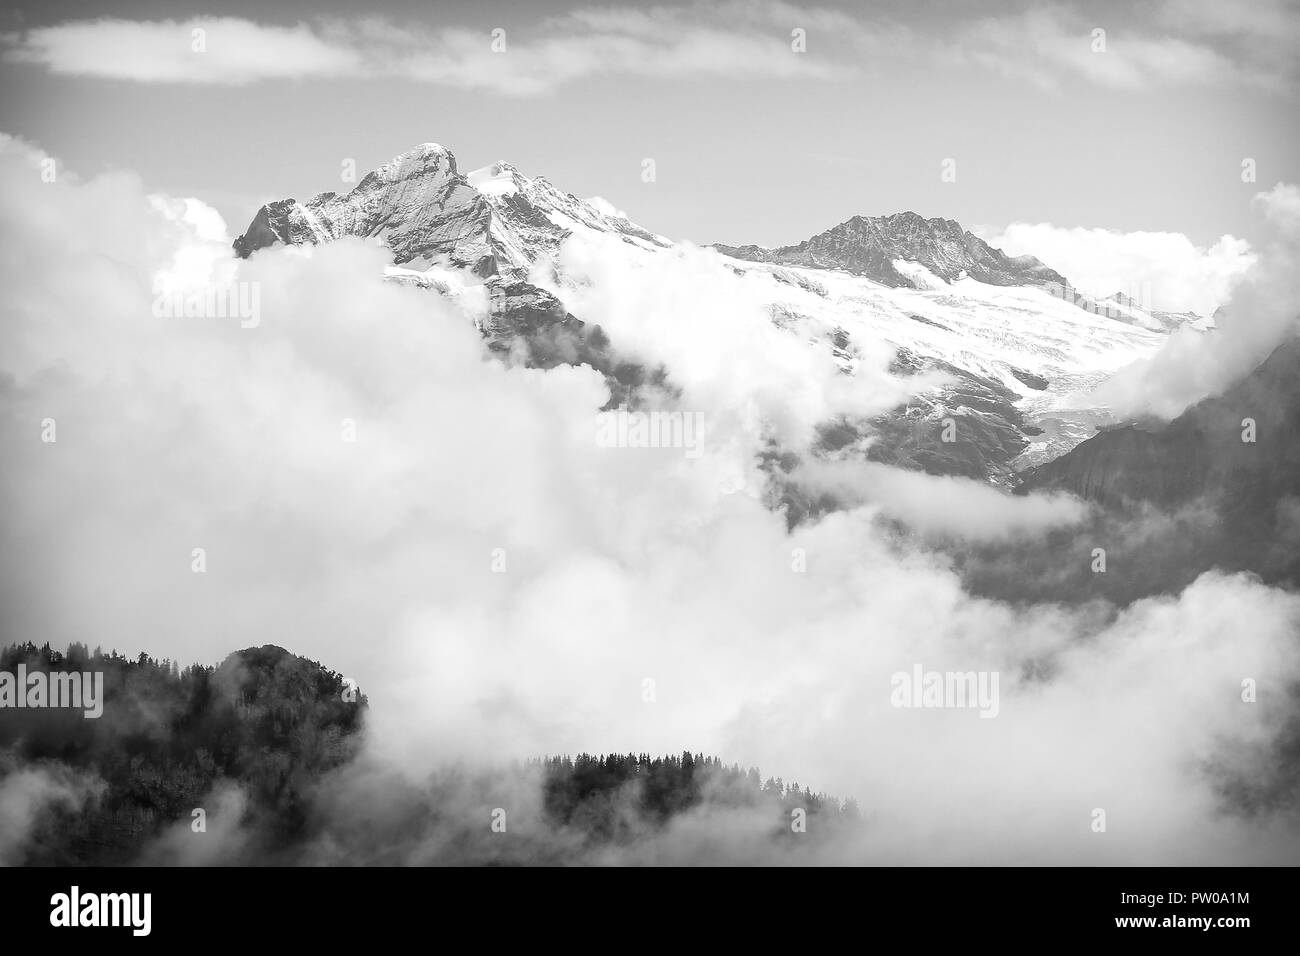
[(500, 584), (733, 39), (1261, 311), (1178, 43), (1166, 268)]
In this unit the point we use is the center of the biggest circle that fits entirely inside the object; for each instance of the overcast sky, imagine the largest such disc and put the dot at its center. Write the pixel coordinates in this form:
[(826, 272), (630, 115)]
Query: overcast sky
[(752, 141)]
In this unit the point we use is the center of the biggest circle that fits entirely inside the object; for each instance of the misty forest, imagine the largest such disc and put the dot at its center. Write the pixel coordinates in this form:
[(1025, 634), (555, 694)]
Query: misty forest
[(267, 740)]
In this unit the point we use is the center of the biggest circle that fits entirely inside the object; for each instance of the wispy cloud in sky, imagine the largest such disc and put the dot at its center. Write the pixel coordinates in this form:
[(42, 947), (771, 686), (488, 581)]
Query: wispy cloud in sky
[(1177, 274), (1179, 42), (735, 39)]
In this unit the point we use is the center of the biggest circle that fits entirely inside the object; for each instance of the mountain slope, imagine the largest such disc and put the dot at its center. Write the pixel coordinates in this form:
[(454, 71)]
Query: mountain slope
[(914, 295), (875, 247), (1172, 501), (1201, 452), (270, 744), (493, 221), (268, 721)]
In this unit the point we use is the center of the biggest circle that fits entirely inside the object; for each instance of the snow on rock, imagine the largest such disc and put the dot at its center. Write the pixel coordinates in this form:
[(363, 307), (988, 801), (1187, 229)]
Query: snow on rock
[(1019, 352), (492, 221)]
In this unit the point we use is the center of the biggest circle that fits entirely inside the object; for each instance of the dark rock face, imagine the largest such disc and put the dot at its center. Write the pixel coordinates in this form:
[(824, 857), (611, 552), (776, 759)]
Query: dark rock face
[(869, 245), (534, 327), (518, 308), (273, 223), (1166, 466), (1201, 452), (1030, 380), (987, 428), (988, 433), (1172, 501)]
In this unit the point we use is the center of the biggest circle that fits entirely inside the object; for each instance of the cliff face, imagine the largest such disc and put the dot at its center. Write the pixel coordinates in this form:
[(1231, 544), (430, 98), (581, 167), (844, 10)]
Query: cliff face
[(1172, 501), (418, 203), (491, 221), (1200, 453)]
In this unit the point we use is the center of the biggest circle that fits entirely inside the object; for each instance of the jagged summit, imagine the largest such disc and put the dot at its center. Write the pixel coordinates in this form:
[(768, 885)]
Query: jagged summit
[(425, 159), (1013, 356), (418, 202), (874, 246), (493, 221), (496, 221)]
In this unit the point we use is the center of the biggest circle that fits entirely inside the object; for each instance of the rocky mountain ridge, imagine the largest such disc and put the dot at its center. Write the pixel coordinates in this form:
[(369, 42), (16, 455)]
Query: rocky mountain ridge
[(492, 221), (874, 246), (927, 292)]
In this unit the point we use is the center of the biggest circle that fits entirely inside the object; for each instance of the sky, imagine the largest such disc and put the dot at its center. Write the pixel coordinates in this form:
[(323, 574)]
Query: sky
[(1142, 131)]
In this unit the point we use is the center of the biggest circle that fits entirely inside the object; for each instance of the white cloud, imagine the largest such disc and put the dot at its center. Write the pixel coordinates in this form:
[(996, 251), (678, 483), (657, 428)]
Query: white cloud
[(1260, 312), (1187, 43), (1178, 275), (744, 371), (1052, 42), (374, 557), (941, 506), (1267, 38), (222, 50), (603, 205), (27, 793), (1281, 207), (1268, 19), (733, 39)]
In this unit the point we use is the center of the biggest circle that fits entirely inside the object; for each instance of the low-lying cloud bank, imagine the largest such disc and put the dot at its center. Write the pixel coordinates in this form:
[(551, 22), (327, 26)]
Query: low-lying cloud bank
[(1158, 270), (1262, 311), (370, 489)]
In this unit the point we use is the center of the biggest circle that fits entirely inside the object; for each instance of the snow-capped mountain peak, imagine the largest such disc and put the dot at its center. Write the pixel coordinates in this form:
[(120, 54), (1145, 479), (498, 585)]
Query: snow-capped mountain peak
[(871, 245), (425, 159), (493, 221), (1018, 347)]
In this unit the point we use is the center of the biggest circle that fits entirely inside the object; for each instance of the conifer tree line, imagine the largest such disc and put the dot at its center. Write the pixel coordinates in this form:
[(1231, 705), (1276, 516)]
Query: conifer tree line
[(286, 732)]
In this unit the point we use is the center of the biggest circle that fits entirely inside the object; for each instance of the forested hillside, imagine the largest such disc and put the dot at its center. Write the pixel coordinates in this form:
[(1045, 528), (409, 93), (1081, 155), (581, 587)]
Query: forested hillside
[(285, 735)]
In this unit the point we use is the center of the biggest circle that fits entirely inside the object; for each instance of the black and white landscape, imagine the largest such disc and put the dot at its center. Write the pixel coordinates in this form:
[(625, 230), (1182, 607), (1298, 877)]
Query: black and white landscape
[(741, 433)]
